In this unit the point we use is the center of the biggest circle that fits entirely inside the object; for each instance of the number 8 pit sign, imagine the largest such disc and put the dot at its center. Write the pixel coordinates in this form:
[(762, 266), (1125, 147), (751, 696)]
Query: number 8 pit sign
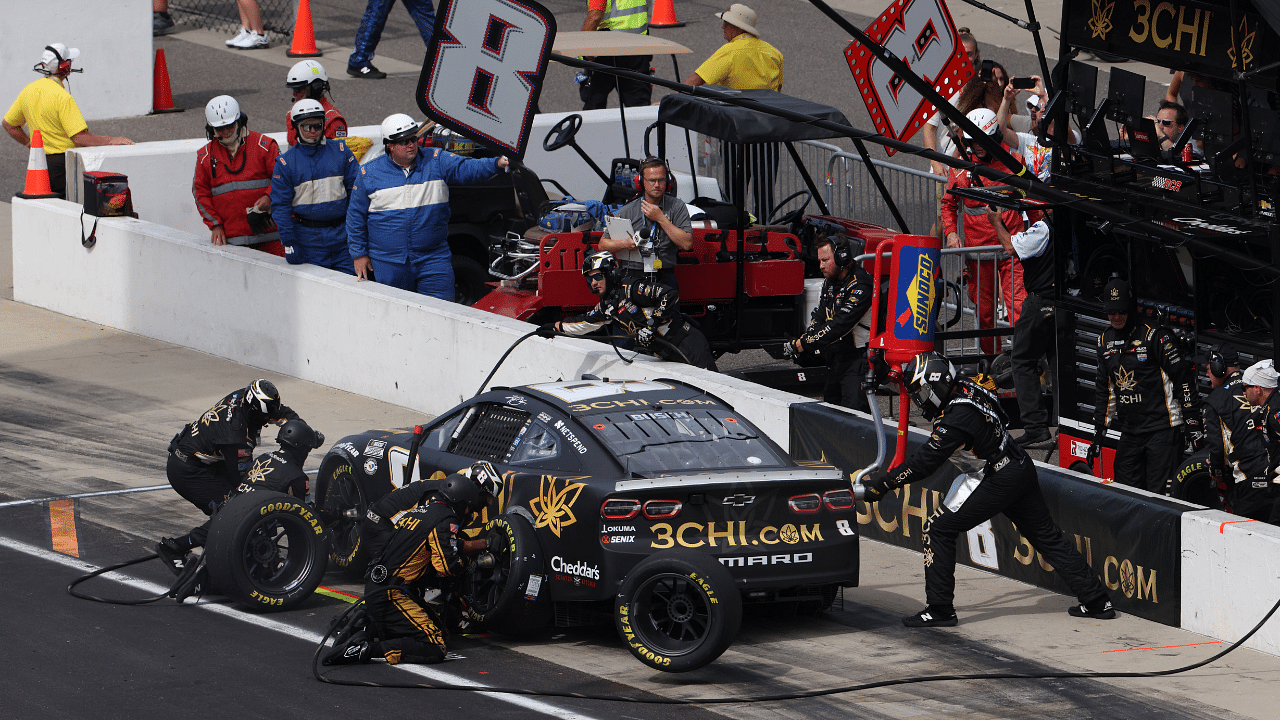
[(484, 68), (922, 34)]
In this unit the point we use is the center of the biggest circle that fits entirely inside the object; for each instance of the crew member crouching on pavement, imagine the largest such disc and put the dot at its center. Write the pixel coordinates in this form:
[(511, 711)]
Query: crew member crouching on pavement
[(310, 189), (966, 414), (233, 179), (308, 81), (643, 309), (846, 297), (412, 535), (211, 457)]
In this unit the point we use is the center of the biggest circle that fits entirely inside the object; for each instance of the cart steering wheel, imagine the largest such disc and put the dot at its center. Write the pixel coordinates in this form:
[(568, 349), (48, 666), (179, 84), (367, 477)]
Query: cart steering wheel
[(562, 133), (794, 215)]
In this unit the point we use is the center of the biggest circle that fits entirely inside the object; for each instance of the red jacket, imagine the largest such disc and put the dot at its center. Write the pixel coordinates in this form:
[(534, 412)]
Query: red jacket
[(977, 230), (335, 126), (226, 187)]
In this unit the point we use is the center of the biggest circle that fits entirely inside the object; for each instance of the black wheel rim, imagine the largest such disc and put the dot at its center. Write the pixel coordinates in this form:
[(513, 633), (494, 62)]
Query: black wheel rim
[(487, 586), (343, 503), (276, 556), (671, 614)]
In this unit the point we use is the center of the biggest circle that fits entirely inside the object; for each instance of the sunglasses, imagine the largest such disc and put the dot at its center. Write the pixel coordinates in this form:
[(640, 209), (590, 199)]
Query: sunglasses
[(1165, 123), (404, 142), (1033, 106), (311, 126), (595, 276)]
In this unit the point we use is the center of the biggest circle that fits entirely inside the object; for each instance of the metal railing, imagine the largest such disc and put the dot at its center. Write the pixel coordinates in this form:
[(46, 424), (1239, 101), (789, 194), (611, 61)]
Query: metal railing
[(851, 192), (223, 15)]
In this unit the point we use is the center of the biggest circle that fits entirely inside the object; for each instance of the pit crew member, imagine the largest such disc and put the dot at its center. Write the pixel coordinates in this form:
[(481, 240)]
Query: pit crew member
[(412, 535), (1147, 391), (1259, 381), (232, 184), (660, 217), (966, 414), (643, 309), (308, 81), (1236, 439), (310, 190), (846, 297), (398, 217)]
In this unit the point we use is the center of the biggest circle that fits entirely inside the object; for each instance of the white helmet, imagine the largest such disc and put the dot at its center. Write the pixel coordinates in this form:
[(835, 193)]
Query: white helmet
[(221, 111), (985, 120), (304, 73), (306, 109), (398, 127)]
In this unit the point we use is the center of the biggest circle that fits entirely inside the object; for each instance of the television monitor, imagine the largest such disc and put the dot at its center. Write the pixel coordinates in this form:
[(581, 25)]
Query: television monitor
[(1213, 109), (1126, 90), (1082, 83), (1264, 126)]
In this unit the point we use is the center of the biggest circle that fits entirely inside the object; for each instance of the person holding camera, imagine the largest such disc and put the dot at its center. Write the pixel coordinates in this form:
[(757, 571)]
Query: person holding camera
[(232, 184), (846, 297)]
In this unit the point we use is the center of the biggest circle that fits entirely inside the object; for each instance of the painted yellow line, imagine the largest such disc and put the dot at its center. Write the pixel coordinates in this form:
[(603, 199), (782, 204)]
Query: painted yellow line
[(343, 596), (1165, 647), (62, 523)]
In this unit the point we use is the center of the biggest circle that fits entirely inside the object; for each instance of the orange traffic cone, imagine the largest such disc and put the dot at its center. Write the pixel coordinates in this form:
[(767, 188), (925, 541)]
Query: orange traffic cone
[(37, 172), (664, 14), (304, 36), (161, 95)]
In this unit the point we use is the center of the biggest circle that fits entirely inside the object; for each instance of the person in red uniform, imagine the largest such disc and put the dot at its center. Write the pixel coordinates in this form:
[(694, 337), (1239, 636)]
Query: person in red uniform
[(232, 184), (308, 80), (966, 225)]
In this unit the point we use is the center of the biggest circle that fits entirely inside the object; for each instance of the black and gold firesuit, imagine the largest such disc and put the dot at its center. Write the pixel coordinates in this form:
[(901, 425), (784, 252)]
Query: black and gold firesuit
[(845, 299), (1236, 439)]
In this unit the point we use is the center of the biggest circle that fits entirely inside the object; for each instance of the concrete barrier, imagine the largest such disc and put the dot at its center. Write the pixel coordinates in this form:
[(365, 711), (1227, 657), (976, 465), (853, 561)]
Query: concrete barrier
[(1230, 577), (310, 322)]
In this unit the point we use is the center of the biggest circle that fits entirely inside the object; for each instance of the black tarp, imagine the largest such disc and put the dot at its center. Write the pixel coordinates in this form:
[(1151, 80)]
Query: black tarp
[(1133, 542), (740, 125)]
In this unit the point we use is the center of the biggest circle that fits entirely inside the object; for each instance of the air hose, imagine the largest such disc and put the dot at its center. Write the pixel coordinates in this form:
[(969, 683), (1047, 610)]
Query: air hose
[(182, 579)]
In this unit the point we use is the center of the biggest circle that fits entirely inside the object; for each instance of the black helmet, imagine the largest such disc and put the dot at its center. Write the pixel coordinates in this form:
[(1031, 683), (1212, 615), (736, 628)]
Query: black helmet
[(472, 488), (262, 396), (602, 261), (930, 378), (298, 434)]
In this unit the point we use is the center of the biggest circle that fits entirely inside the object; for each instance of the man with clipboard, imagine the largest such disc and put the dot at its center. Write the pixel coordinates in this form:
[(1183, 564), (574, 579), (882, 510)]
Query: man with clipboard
[(659, 228)]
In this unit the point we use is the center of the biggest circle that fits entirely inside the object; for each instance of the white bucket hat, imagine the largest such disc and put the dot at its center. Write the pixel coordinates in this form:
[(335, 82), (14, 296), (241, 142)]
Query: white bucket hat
[(740, 16)]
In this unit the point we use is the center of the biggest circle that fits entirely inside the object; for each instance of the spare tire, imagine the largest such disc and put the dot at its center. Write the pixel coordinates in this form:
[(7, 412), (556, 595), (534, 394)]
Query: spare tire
[(1193, 483), (266, 550), (509, 598)]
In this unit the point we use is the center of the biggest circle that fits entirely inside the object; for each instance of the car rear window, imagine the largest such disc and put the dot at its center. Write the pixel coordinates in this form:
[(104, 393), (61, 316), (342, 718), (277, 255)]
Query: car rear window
[(675, 441)]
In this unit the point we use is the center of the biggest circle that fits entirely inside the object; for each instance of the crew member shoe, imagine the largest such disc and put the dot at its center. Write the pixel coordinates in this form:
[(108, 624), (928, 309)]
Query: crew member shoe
[(162, 24), (173, 557), (366, 70), (235, 41), (932, 617), (354, 622), (1101, 610), (1035, 437), (252, 41), (357, 650)]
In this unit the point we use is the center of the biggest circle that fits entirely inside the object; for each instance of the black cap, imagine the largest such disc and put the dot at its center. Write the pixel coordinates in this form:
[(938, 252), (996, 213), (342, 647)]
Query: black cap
[(1225, 351), (1116, 297)]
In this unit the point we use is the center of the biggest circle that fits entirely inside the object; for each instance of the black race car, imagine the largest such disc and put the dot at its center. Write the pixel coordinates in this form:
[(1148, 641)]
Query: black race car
[(649, 502)]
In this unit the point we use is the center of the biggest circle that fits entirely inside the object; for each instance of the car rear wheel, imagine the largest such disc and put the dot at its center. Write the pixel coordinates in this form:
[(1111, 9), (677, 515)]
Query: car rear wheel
[(678, 610), (342, 504), (266, 550), (509, 598)]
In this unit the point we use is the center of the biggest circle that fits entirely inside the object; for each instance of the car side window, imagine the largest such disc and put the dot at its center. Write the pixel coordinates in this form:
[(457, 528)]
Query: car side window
[(537, 444), (487, 431)]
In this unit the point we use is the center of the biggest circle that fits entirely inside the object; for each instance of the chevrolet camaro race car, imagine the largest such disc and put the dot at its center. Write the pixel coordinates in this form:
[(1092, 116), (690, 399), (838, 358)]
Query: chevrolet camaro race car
[(649, 502)]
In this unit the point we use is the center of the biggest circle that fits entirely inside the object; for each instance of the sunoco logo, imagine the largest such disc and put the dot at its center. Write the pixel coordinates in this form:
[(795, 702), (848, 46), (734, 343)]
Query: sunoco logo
[(577, 569), (920, 295)]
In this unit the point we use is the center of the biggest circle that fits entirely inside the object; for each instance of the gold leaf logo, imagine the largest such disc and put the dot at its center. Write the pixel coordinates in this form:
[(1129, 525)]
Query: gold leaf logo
[(212, 414), (1100, 23), (554, 508), (261, 469), (789, 534), (1125, 380), (1246, 44)]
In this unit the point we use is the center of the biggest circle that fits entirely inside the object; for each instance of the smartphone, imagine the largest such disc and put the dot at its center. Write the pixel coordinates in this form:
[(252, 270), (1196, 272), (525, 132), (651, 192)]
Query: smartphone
[(1023, 83), (987, 65)]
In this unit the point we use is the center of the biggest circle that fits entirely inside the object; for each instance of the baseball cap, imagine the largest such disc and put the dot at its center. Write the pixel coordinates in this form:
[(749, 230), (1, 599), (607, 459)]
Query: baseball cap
[(1261, 373), (1116, 297)]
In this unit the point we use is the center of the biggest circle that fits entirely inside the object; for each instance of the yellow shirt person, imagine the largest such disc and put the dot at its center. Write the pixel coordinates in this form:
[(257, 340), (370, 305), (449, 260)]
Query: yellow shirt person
[(744, 62)]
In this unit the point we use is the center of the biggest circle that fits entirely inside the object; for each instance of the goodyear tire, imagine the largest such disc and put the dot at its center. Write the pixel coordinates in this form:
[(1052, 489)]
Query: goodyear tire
[(266, 550), (678, 610), (1193, 483), (342, 506), (498, 598)]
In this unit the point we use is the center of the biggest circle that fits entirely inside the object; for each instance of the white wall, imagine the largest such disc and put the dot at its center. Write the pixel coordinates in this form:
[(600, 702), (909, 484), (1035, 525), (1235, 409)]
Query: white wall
[(1230, 577), (114, 38), (309, 322)]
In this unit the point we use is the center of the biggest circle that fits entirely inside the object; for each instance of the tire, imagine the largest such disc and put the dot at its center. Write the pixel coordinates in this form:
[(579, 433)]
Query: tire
[(498, 597), (1193, 483), (469, 278), (678, 610), (342, 506), (266, 550)]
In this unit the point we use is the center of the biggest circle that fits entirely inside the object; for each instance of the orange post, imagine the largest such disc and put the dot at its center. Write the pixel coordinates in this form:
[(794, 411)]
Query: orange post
[(304, 35), (37, 172), (664, 15), (161, 95)]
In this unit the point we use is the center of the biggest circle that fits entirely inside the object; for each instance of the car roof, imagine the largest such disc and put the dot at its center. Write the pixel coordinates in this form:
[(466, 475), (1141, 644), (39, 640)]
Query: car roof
[(590, 396)]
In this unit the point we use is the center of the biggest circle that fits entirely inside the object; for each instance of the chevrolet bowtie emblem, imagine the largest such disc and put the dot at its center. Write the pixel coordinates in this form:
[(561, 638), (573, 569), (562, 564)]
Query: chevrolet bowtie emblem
[(739, 500)]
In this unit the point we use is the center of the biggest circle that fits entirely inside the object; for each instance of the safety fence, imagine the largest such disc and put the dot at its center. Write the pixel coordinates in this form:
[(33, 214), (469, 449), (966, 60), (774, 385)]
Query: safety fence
[(224, 15)]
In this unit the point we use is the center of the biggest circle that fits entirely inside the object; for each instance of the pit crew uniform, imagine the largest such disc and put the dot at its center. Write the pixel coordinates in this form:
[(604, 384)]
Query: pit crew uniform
[(1033, 331), (1005, 482), (400, 218), (374, 20), (210, 458), (968, 219), (1146, 390), (335, 125), (633, 305), (310, 189), (1236, 439), (225, 186), (843, 303), (412, 534)]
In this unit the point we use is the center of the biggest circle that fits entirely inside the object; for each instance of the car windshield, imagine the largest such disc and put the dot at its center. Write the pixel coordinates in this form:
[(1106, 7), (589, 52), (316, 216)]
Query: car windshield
[(676, 441)]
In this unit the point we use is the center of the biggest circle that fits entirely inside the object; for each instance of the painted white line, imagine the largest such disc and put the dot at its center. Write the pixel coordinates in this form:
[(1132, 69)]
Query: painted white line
[(125, 491), (267, 623)]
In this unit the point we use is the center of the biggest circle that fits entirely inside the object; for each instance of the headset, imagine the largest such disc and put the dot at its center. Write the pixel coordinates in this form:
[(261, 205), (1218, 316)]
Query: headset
[(1217, 363), (671, 179), (841, 253), (64, 66)]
